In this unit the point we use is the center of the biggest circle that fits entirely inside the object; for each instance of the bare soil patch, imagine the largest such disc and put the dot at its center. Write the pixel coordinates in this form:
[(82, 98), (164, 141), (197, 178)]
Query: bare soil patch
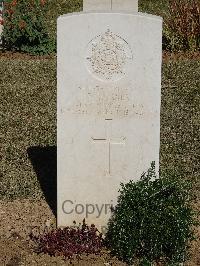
[(17, 219)]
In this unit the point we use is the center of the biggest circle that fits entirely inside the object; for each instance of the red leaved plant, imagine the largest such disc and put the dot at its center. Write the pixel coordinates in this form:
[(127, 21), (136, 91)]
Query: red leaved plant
[(70, 241)]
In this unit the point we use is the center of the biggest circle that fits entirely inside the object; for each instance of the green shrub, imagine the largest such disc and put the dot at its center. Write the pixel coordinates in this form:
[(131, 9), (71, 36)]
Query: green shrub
[(25, 27), (181, 25), (152, 220)]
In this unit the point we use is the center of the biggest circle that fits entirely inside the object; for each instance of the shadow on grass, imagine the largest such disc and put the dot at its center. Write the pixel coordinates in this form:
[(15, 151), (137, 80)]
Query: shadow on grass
[(44, 161)]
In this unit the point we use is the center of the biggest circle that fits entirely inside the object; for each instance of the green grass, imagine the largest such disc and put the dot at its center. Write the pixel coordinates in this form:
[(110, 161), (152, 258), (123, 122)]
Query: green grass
[(28, 119), (153, 6), (180, 118)]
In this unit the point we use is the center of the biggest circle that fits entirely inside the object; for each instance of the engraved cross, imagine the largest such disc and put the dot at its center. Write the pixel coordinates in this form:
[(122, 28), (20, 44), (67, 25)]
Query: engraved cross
[(110, 142)]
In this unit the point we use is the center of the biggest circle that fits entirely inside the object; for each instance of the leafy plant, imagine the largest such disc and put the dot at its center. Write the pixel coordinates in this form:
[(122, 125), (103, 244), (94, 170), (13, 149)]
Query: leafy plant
[(152, 220), (70, 241), (25, 27), (182, 25), (57, 8)]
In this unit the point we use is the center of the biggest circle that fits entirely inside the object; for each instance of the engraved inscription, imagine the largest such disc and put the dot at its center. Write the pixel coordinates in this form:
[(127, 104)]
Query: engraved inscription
[(105, 102), (107, 56)]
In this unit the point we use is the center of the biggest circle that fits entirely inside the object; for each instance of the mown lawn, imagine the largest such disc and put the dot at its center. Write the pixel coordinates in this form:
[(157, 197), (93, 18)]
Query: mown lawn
[(180, 117), (28, 120)]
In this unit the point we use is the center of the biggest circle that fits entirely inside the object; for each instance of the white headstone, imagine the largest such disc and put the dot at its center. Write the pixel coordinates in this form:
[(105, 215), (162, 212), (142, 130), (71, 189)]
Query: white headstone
[(109, 94), (115, 5)]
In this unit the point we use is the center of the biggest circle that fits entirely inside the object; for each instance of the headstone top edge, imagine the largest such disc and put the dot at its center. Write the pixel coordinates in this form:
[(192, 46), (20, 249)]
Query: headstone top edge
[(137, 14)]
